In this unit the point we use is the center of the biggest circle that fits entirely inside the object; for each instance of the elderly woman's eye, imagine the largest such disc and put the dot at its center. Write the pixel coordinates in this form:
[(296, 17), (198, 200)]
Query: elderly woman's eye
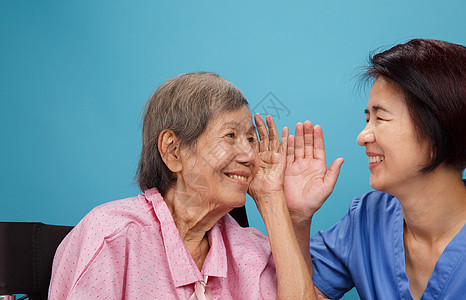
[(230, 135), (251, 139)]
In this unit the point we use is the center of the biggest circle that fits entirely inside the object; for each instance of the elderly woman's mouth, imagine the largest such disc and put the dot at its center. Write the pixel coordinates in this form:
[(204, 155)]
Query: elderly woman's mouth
[(237, 177)]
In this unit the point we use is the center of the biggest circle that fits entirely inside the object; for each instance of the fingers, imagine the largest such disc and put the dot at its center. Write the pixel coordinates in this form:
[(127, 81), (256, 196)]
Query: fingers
[(333, 171), (262, 131), (274, 139), (299, 141), (303, 141), (270, 140), (319, 148), (290, 150), (284, 142), (308, 139)]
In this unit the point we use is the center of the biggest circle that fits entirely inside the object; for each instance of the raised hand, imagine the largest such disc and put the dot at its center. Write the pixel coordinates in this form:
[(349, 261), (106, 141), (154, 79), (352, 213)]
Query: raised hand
[(307, 182), (272, 159), (293, 276)]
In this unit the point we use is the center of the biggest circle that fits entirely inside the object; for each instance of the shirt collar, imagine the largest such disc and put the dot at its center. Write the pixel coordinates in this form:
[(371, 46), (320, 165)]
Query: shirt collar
[(215, 263), (183, 269)]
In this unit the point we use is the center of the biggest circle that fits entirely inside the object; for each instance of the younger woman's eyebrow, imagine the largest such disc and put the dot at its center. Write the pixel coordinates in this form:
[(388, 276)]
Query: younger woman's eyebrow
[(375, 108)]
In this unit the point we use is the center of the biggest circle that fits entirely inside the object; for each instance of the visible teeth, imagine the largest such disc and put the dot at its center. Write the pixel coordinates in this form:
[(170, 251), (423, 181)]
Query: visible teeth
[(375, 159), (237, 177)]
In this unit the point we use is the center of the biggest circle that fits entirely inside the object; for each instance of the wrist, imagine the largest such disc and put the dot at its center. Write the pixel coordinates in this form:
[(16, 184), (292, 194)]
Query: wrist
[(301, 227), (264, 195), (302, 231), (300, 218), (272, 204), (300, 221)]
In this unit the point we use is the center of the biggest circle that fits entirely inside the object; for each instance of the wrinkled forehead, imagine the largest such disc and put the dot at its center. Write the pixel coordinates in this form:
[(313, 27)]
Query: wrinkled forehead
[(239, 120)]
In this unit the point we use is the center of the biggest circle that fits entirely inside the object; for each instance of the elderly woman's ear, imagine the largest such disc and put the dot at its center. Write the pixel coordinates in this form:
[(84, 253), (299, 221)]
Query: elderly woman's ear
[(169, 149)]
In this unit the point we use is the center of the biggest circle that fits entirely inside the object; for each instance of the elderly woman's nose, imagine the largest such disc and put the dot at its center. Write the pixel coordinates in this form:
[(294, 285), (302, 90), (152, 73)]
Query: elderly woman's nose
[(366, 136), (246, 152)]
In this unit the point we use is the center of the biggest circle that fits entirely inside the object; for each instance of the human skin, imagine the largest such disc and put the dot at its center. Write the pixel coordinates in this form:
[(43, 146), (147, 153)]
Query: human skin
[(206, 189), (396, 156), (267, 190), (245, 164)]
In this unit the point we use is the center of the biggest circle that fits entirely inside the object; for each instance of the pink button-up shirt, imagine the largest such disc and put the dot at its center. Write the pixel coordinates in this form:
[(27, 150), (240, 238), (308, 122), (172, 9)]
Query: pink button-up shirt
[(131, 249)]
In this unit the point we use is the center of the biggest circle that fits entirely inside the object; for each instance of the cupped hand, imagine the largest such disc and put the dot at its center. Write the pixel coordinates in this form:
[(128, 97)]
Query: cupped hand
[(272, 160), (307, 181)]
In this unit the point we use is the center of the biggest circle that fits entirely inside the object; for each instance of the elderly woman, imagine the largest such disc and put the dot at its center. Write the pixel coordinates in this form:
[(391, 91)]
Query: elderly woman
[(407, 239), (176, 240)]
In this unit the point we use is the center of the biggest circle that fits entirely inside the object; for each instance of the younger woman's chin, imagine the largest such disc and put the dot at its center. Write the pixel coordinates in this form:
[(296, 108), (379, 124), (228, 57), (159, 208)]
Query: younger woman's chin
[(376, 185)]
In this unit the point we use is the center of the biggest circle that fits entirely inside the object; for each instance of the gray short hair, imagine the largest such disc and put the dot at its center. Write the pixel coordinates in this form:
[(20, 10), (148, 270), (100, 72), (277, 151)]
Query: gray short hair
[(185, 105)]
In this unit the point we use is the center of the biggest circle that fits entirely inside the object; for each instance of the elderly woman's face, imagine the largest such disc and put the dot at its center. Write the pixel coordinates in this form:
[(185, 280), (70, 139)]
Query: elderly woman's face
[(218, 169), (395, 153)]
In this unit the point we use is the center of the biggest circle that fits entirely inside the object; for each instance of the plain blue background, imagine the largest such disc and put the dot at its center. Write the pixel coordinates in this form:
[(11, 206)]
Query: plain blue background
[(74, 76)]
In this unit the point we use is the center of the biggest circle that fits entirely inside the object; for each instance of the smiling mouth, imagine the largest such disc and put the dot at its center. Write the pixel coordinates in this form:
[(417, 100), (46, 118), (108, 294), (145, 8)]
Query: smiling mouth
[(237, 177), (376, 159)]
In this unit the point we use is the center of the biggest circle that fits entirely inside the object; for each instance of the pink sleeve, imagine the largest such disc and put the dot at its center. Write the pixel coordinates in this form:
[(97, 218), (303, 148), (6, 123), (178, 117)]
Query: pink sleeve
[(88, 274), (81, 250), (268, 281), (105, 275)]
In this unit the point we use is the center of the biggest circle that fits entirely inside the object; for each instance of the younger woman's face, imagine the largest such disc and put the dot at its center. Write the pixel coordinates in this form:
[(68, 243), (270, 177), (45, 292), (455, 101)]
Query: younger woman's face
[(396, 155)]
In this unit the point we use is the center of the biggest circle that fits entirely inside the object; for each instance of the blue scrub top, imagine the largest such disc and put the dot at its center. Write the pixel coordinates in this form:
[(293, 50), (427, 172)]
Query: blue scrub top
[(365, 250)]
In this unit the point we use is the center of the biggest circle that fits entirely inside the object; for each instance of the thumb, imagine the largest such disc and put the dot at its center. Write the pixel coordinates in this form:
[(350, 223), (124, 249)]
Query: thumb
[(332, 174)]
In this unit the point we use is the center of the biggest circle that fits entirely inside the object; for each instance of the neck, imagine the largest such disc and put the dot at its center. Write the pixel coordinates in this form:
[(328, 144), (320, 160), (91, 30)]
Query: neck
[(194, 216), (434, 208)]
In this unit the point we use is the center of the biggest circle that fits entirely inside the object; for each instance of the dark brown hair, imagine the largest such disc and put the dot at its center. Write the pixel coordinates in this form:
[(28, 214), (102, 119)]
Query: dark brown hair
[(432, 75), (185, 105)]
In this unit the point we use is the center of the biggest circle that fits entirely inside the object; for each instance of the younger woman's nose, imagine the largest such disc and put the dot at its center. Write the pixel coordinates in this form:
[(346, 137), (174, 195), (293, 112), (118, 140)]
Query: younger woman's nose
[(366, 136)]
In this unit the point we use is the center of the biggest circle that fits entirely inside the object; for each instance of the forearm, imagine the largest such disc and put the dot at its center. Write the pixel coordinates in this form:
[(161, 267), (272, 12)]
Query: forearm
[(294, 278), (302, 231)]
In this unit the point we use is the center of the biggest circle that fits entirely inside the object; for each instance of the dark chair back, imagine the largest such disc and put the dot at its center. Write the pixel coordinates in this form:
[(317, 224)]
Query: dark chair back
[(26, 255), (239, 214)]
